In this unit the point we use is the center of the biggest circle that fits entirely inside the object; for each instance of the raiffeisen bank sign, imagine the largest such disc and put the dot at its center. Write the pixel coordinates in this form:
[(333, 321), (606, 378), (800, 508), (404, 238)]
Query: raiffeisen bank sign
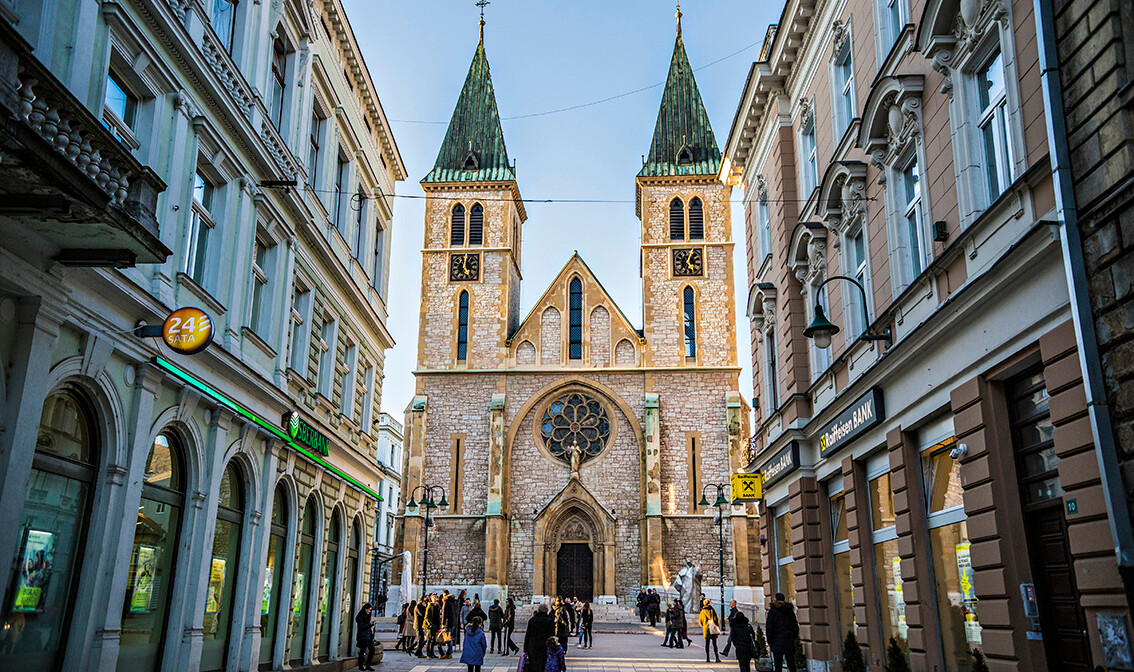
[(866, 412)]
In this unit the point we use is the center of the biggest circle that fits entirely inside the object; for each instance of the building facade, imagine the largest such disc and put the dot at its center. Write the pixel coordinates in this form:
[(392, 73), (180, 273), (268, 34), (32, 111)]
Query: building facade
[(388, 448), (168, 511), (571, 446), (931, 481)]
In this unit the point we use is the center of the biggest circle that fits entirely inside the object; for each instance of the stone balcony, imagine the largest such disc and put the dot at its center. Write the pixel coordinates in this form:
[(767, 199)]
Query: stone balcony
[(68, 188)]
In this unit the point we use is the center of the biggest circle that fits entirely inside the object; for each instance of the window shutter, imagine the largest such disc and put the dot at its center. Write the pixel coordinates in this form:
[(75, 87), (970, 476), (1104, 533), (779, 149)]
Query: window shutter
[(696, 220), (476, 225), (676, 220), (457, 230)]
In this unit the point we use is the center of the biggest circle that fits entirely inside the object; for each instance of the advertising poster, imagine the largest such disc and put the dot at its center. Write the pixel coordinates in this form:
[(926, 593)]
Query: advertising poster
[(145, 573), (968, 593), (216, 585), (900, 598), (36, 558), (324, 598), (266, 600), (297, 603)]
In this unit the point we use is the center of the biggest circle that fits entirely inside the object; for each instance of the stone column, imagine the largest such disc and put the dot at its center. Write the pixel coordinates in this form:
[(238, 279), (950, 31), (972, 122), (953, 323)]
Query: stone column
[(652, 534), (495, 521), (742, 590), (811, 598)]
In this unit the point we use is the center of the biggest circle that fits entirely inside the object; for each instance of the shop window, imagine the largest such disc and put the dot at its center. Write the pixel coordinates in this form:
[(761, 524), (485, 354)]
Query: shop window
[(153, 559), (327, 591), (273, 576), (223, 570), (785, 560), (350, 591), (841, 565), (48, 558), (887, 563), (305, 580)]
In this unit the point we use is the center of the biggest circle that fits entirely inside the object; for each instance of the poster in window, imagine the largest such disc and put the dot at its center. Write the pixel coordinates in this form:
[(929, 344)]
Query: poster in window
[(297, 603), (145, 574), (324, 597), (216, 585), (36, 557), (968, 593), (900, 598), (266, 600)]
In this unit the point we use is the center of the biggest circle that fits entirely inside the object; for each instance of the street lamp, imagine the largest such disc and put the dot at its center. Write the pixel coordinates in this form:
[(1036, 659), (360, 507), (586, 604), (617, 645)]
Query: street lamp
[(427, 503), (721, 502), (821, 329)]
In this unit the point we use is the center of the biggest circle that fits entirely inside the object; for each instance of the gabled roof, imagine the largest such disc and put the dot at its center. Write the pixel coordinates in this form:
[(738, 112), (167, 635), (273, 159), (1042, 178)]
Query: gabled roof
[(574, 265), (473, 150), (683, 127)]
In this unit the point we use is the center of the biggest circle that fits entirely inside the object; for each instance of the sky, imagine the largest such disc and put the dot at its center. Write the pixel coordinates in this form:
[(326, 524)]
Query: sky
[(546, 56)]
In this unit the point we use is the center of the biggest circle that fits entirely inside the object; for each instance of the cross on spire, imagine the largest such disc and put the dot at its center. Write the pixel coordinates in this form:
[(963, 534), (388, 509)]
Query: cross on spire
[(678, 15), (482, 4)]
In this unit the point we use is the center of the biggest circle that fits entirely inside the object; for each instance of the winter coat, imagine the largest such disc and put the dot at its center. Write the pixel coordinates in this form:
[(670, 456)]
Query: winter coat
[(476, 612), (556, 661), (495, 618), (708, 615), (472, 651), (540, 627), (450, 613), (419, 616), (562, 623), (781, 628), (653, 602), (466, 610), (676, 617), (510, 617), (586, 619), (364, 632), (432, 620)]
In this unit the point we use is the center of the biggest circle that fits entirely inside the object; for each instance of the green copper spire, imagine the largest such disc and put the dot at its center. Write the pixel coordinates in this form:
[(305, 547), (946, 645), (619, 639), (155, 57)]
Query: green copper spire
[(473, 150), (683, 138)]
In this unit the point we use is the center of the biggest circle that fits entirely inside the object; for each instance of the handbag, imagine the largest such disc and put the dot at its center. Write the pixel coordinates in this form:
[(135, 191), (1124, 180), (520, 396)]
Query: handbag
[(714, 629), (443, 637)]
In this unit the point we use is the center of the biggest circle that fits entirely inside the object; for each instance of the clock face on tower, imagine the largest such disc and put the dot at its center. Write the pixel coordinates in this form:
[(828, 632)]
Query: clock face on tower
[(687, 262), (464, 267)]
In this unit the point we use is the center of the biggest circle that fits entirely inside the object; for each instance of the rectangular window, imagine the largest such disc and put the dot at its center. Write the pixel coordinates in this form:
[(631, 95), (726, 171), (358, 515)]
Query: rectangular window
[(785, 560), (1037, 463), (119, 107), (911, 226), (346, 403), (887, 562), (771, 374), (301, 331), (455, 466), (694, 477), (856, 267), (820, 357), (843, 102), (200, 228), (764, 227), (278, 82), (844, 595), (341, 168), (224, 22), (376, 276), (313, 151), (361, 211), (892, 18), (327, 347), (807, 151), (368, 401), (993, 123), (258, 319)]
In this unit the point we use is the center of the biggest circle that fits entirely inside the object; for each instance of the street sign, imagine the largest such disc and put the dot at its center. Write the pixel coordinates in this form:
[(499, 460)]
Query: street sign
[(747, 487), (187, 330)]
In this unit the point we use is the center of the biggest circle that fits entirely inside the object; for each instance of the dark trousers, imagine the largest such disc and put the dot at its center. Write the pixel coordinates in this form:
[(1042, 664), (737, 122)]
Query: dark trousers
[(365, 654), (473, 668), (497, 641), (653, 619), (508, 638), (745, 662), (586, 637), (778, 660), (422, 635), (711, 639)]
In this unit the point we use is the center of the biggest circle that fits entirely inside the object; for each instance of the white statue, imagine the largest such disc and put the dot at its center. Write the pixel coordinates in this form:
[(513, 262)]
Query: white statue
[(688, 585)]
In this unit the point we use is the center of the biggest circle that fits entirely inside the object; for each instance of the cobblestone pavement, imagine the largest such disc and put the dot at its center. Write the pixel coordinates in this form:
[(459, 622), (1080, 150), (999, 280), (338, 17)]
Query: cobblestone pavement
[(641, 652)]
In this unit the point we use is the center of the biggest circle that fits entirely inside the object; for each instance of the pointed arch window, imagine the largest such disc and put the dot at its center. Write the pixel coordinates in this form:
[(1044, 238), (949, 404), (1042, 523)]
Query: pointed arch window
[(463, 327), (696, 220), (690, 324), (676, 220), (476, 225), (575, 346), (457, 226)]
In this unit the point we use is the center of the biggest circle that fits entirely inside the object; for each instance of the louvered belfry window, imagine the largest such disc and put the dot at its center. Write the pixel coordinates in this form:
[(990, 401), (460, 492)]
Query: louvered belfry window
[(696, 220), (476, 225), (457, 230), (676, 220), (575, 349)]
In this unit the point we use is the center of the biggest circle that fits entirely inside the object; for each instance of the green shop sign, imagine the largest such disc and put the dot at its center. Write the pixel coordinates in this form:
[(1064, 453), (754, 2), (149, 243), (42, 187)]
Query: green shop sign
[(304, 433), (286, 436)]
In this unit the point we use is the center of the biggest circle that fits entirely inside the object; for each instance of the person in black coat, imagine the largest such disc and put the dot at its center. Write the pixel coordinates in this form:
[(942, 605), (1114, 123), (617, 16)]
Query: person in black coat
[(743, 637), (540, 627), (364, 637), (509, 627), (653, 607), (496, 627), (640, 606), (782, 628)]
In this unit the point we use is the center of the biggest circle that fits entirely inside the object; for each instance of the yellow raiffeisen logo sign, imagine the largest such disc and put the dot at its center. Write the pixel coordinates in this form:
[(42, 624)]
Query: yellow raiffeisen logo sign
[(187, 330), (747, 487)]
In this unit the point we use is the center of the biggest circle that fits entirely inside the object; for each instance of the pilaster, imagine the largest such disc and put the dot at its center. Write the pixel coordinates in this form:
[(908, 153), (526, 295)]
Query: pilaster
[(652, 537), (496, 523)]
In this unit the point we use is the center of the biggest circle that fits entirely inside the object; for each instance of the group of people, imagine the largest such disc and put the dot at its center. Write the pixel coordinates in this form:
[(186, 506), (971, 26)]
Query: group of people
[(433, 627)]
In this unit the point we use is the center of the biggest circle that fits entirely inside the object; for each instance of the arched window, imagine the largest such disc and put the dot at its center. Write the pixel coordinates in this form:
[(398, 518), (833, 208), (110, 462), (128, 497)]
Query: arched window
[(696, 220), (676, 220), (152, 561), (575, 345), (346, 633), (54, 517), (476, 225), (223, 570), (330, 580), (463, 327), (690, 324), (305, 580), (273, 577), (457, 227)]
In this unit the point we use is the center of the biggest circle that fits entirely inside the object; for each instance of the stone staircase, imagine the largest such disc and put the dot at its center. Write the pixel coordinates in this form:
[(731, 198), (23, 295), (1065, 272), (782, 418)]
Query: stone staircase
[(604, 613)]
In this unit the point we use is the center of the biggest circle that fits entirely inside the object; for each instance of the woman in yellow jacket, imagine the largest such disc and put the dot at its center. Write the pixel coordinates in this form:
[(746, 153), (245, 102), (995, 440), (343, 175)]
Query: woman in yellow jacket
[(710, 628)]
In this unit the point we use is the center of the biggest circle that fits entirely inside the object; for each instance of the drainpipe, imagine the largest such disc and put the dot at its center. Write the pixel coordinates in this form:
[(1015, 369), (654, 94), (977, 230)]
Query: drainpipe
[(1073, 263)]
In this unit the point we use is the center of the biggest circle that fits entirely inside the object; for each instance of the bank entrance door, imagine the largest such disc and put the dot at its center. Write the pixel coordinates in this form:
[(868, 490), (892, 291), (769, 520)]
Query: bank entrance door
[(1061, 620), (574, 569)]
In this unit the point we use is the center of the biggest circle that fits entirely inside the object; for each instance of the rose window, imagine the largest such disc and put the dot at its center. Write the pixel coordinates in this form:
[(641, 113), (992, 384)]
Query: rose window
[(575, 418)]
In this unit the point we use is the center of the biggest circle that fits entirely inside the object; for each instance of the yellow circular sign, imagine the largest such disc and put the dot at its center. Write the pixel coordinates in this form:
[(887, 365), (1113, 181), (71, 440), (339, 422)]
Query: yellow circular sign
[(187, 330)]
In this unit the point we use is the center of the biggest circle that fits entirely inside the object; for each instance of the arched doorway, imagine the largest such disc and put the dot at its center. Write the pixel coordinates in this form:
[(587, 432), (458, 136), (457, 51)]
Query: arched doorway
[(574, 561), (574, 547)]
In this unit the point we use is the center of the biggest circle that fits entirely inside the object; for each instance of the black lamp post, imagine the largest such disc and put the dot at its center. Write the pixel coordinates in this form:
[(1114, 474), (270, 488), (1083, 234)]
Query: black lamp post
[(721, 502), (427, 503), (821, 329)]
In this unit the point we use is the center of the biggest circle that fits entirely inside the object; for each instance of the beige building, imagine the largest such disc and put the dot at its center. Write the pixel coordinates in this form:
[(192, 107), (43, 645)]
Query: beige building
[(931, 480), (505, 399)]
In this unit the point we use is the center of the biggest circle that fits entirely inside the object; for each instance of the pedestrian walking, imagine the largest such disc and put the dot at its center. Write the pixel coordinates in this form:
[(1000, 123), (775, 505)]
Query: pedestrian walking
[(496, 627), (586, 626), (399, 646), (673, 639), (473, 652), (562, 620), (556, 656), (682, 623), (364, 637), (782, 628), (540, 627), (653, 607), (640, 606), (509, 627), (732, 612), (744, 638), (450, 623), (710, 628), (419, 615)]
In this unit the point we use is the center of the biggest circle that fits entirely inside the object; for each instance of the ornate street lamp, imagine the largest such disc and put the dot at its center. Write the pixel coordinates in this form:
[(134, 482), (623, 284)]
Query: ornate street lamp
[(821, 329), (722, 501), (426, 503)]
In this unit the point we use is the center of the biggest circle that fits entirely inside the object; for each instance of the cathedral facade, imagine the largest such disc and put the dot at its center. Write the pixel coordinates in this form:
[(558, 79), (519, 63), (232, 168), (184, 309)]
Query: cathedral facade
[(574, 447)]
